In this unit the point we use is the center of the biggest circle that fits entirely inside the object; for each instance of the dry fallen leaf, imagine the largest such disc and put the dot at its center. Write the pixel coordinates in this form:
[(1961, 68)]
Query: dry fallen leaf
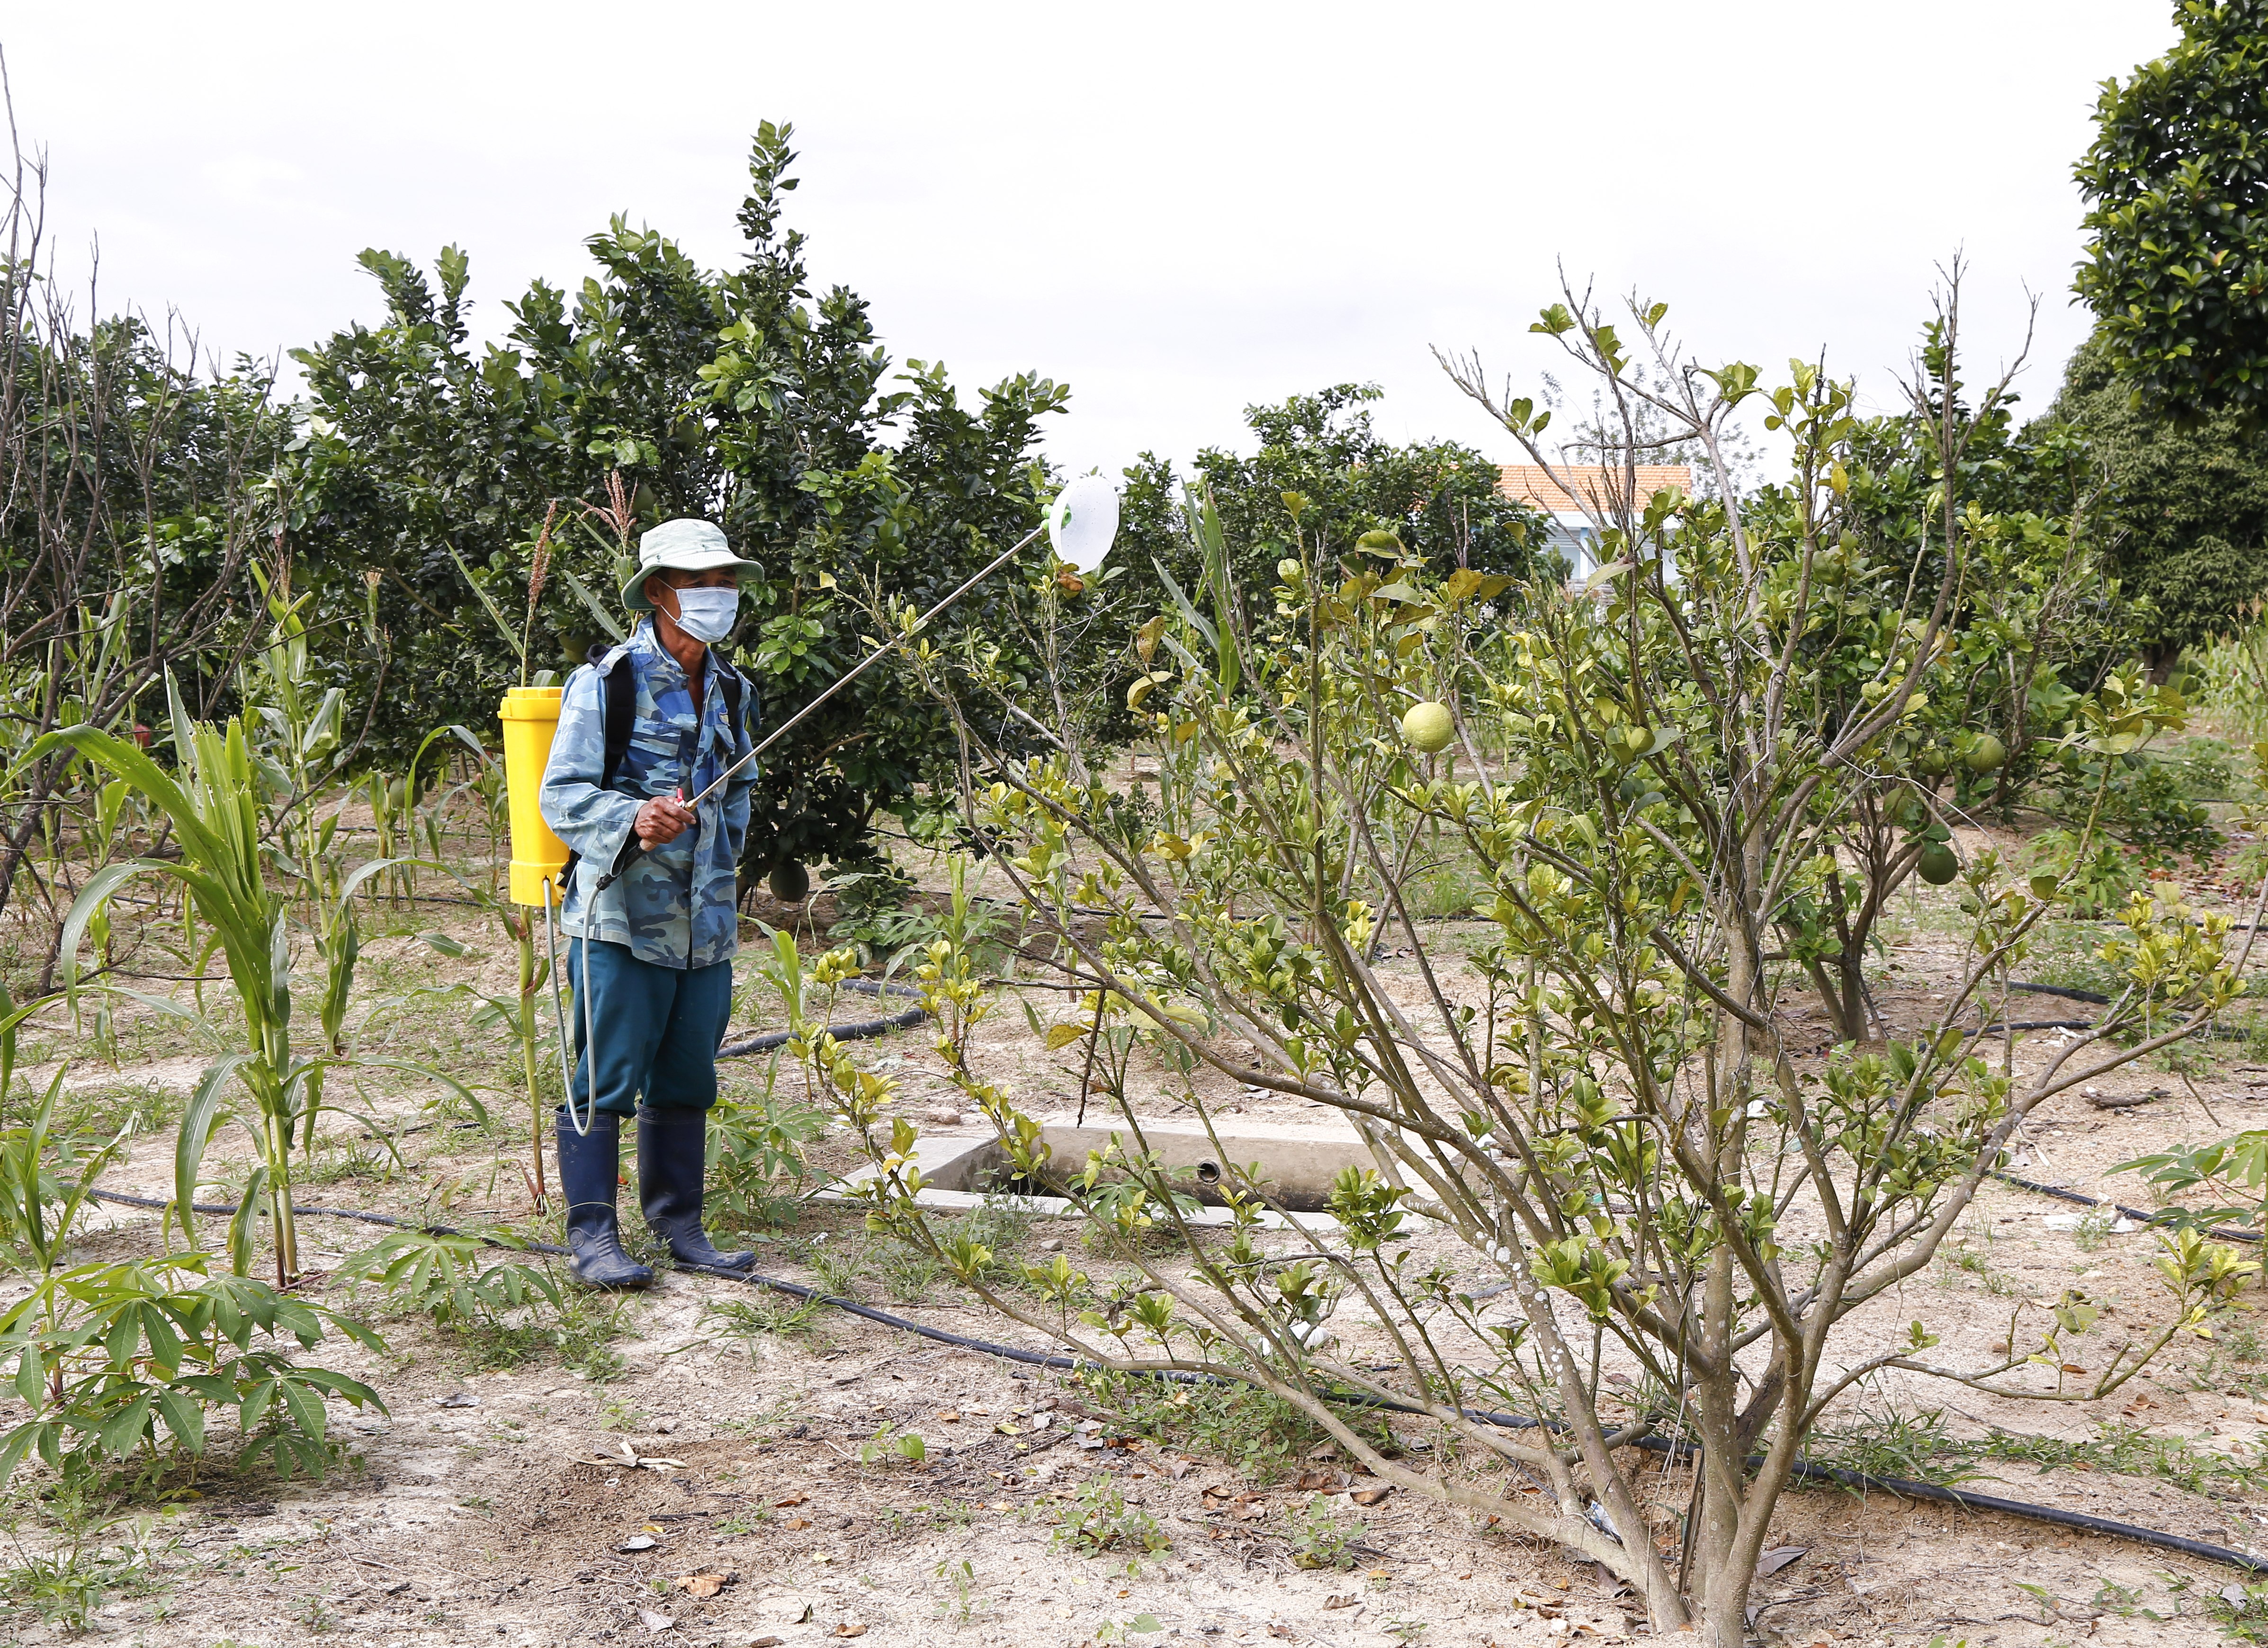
[(656, 1622), (948, 1416), (850, 1628), (1340, 1601), (1371, 1495), (793, 1499), (768, 1642), (797, 1522), (699, 1585), (1778, 1557)]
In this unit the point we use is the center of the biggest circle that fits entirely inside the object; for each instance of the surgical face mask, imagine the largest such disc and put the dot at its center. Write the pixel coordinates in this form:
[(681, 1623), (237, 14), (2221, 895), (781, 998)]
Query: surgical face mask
[(707, 614)]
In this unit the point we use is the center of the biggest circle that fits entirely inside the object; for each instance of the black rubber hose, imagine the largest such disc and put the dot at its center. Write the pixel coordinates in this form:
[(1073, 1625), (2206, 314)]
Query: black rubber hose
[(1805, 1471), (2057, 990), (2225, 1232), (859, 1031)]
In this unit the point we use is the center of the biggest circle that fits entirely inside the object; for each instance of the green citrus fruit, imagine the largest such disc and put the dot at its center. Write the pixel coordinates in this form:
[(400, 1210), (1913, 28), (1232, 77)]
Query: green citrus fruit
[(1937, 864), (790, 881), (1986, 753), (1428, 726), (1932, 761)]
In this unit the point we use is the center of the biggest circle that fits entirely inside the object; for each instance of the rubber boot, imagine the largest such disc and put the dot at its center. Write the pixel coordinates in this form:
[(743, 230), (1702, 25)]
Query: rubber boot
[(673, 1158), (590, 1166)]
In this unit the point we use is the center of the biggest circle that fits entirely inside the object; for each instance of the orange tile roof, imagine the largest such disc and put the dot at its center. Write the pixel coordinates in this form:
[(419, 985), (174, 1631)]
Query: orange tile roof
[(1602, 487)]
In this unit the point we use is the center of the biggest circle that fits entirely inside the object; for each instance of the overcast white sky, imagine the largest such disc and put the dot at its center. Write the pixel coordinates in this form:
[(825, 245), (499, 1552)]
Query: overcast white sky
[(1178, 208)]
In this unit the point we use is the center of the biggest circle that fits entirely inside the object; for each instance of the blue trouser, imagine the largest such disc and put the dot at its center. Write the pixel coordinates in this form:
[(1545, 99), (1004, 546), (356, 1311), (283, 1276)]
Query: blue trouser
[(657, 1028)]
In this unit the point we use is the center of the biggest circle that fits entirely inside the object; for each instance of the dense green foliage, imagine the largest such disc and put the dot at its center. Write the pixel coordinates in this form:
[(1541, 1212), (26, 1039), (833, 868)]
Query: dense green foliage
[(2186, 508), (2176, 183), (736, 394)]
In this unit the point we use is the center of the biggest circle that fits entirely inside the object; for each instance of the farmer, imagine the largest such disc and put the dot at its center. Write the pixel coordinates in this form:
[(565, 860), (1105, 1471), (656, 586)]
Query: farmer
[(654, 951)]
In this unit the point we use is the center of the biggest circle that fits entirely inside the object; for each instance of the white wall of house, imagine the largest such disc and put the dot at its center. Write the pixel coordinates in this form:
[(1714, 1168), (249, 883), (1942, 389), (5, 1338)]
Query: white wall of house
[(1574, 537)]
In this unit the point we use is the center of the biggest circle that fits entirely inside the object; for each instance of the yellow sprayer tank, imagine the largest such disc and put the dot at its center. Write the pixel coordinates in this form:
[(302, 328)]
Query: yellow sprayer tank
[(531, 716)]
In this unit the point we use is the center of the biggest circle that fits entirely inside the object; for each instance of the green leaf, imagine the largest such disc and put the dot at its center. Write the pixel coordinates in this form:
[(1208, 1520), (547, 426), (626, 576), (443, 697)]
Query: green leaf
[(184, 1419), (123, 1432), (201, 1119), (92, 899), (505, 627), (242, 1223), (17, 1443), (599, 613)]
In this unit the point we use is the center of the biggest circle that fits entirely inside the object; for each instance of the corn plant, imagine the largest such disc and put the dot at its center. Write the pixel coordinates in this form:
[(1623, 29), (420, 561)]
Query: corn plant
[(303, 752), (392, 818), (518, 1013), (215, 816), (45, 1179), (426, 828)]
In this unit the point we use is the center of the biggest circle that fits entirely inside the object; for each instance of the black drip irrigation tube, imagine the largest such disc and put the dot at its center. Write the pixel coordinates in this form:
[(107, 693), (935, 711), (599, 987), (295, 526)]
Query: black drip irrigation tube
[(2223, 1232), (2213, 1033), (858, 1032), (1805, 1471)]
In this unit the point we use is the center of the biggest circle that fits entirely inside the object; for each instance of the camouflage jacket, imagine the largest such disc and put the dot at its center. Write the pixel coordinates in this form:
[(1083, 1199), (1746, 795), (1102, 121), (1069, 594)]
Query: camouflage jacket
[(674, 906)]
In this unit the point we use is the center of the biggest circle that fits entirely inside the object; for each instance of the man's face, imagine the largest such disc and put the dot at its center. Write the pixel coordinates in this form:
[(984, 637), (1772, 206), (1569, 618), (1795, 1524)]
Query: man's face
[(661, 589)]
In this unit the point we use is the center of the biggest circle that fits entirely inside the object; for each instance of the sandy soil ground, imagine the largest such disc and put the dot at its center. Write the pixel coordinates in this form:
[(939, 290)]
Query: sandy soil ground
[(714, 1493)]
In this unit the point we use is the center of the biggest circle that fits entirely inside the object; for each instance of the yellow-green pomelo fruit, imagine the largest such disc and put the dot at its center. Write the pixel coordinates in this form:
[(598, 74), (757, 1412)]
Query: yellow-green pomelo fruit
[(1428, 726), (1986, 753), (1937, 863)]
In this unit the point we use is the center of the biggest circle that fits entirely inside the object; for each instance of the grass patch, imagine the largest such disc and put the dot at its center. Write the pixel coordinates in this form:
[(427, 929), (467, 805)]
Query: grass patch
[(1259, 1435), (765, 1313), (2063, 954), (579, 1333), (1918, 1446)]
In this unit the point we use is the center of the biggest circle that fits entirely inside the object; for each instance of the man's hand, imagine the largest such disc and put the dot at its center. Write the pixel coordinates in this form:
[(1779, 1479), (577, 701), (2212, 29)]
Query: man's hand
[(661, 821)]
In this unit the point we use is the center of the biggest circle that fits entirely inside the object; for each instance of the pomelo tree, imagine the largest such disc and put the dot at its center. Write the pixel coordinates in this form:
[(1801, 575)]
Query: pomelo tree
[(1609, 1198)]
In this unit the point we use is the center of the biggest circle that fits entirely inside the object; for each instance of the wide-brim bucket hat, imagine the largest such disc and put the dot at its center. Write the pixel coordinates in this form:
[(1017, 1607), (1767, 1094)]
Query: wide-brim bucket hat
[(684, 545)]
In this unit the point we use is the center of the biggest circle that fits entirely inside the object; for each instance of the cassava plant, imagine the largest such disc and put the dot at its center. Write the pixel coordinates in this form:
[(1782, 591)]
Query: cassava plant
[(1605, 1191)]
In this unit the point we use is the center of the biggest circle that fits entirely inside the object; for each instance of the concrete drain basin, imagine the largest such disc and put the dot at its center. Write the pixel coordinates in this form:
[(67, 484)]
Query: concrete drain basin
[(1297, 1163)]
